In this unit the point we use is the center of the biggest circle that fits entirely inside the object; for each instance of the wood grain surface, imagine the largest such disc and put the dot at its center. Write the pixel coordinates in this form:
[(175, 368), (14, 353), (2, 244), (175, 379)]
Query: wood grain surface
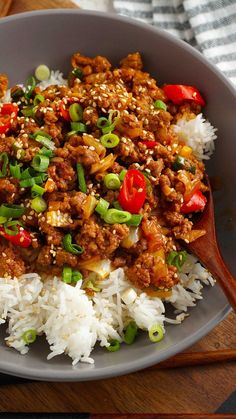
[(194, 389)]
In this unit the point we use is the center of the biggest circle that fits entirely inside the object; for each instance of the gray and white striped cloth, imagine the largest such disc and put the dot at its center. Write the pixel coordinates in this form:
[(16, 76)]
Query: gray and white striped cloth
[(208, 25)]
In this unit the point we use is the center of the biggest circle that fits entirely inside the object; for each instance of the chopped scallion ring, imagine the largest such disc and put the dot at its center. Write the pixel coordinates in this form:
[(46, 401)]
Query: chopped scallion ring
[(114, 345), (130, 332), (29, 336), (40, 163), (156, 333), (78, 127), (122, 174), (135, 220), (30, 85), (67, 274), (4, 158), (11, 210), (14, 228), (177, 259), (15, 170), (76, 112), (102, 207), (114, 216), (110, 140), (42, 72), (2, 220), (76, 276), (112, 181), (38, 204), (37, 190), (46, 142), (159, 104), (38, 99), (81, 178), (75, 249)]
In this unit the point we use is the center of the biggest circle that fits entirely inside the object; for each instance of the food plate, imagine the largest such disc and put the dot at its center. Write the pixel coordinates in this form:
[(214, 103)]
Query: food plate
[(170, 61)]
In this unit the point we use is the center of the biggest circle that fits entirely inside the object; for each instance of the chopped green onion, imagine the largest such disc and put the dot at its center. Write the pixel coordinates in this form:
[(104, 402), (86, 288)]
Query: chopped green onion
[(135, 220), (112, 181), (110, 140), (16, 93), (43, 134), (130, 333), (28, 111), (37, 190), (76, 112), (179, 163), (114, 345), (177, 259), (113, 216), (78, 127), (40, 163), (11, 210), (77, 73), (102, 122), (38, 204), (122, 174), (14, 230), (159, 104), (76, 276), (75, 249), (70, 133), (81, 178), (2, 220), (111, 123), (45, 152), (26, 174), (102, 207), (30, 85), (117, 205), (91, 286), (15, 170), (38, 99), (42, 72), (29, 336), (46, 142), (156, 333), (38, 180), (67, 274), (4, 158)]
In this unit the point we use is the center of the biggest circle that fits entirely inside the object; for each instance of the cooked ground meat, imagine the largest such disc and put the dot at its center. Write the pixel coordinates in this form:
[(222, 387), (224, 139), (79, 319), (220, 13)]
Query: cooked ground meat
[(68, 164)]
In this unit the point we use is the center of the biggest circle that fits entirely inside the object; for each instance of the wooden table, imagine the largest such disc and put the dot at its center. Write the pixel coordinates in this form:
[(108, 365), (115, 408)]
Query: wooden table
[(183, 390)]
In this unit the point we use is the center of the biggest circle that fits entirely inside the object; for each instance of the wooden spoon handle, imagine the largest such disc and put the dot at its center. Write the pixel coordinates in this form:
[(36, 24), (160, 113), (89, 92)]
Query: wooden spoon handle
[(4, 7)]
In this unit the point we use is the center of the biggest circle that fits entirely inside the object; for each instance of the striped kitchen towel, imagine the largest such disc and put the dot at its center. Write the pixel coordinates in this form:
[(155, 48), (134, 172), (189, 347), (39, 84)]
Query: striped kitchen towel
[(208, 25)]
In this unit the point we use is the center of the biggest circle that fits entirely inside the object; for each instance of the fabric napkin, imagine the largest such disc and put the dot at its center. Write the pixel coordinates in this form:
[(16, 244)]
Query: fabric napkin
[(208, 25)]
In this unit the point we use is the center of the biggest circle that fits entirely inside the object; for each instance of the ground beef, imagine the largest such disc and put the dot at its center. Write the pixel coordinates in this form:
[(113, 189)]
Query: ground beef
[(3, 84), (65, 258), (63, 175), (132, 61), (44, 259), (11, 263), (53, 235), (99, 240), (9, 190)]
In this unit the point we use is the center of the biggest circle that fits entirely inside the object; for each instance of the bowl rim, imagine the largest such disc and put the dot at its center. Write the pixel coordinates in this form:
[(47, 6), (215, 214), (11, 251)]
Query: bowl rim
[(143, 362)]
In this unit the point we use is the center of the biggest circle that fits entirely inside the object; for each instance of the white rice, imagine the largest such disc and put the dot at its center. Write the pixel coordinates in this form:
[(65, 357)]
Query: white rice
[(72, 322), (198, 134)]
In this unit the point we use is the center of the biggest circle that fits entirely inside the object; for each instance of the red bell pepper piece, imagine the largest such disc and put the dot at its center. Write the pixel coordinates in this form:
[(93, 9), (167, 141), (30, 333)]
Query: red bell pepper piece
[(149, 144), (197, 202), (8, 113), (22, 238), (63, 108), (178, 93), (133, 191)]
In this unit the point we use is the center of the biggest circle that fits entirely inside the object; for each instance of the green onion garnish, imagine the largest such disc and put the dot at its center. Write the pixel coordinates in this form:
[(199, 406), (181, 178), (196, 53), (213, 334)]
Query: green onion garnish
[(156, 333), (40, 163), (75, 249), (159, 104), (135, 220), (78, 127), (28, 111), (14, 230), (117, 205), (76, 112), (15, 170), (45, 152), (81, 178), (2, 220), (38, 180), (43, 134), (38, 204), (4, 158), (112, 181), (11, 210), (42, 72), (38, 99), (29, 336), (37, 190), (130, 333), (122, 174), (113, 216), (103, 122), (110, 140), (110, 126), (16, 93), (27, 173), (67, 274), (30, 85), (46, 142), (178, 163), (177, 259), (114, 345), (77, 73), (76, 276), (102, 207)]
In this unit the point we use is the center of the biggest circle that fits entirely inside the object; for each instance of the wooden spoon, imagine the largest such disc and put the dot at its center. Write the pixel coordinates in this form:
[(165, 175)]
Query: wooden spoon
[(207, 251), (4, 7)]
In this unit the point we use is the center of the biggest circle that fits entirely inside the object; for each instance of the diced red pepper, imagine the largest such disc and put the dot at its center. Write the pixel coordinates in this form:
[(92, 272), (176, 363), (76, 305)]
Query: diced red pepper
[(197, 202), (133, 191), (63, 108), (8, 113), (22, 239), (149, 144), (178, 93)]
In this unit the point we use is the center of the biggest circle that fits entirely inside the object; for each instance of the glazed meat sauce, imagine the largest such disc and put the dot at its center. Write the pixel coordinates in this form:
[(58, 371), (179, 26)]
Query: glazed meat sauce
[(147, 144)]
